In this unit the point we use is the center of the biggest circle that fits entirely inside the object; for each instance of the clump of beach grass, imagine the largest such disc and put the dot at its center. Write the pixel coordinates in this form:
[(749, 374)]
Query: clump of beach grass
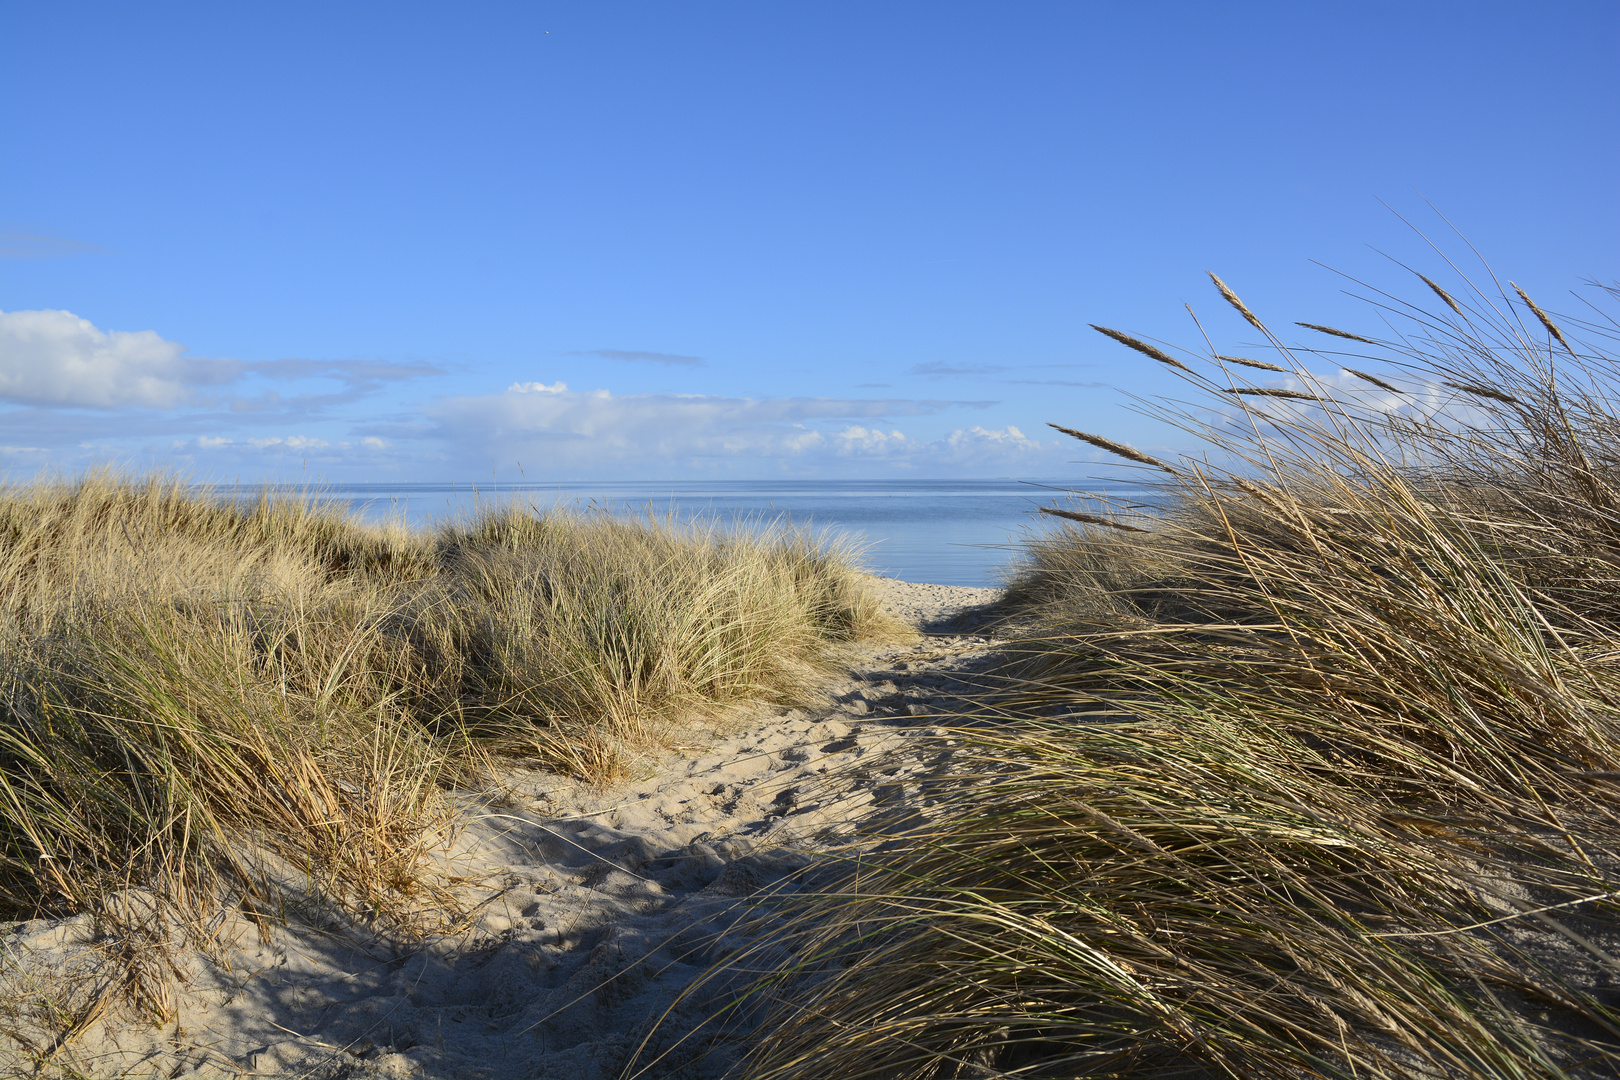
[(1314, 777), (578, 637), (209, 698)]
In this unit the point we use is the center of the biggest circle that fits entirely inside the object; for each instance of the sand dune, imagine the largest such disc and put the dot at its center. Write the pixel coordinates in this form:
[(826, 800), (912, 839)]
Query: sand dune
[(596, 913)]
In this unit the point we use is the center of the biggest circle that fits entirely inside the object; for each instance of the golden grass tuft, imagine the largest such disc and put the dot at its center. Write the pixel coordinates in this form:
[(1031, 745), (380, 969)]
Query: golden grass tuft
[(211, 697), (1313, 779)]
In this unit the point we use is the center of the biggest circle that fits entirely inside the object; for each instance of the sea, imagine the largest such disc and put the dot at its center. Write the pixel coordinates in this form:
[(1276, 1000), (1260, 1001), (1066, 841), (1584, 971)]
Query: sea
[(946, 532)]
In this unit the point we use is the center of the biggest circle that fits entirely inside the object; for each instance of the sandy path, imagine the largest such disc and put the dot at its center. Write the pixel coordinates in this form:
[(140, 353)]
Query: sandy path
[(597, 908)]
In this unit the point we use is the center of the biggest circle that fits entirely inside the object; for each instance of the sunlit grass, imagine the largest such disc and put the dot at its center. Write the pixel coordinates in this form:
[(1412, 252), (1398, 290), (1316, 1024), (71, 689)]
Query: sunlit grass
[(213, 698), (1315, 776)]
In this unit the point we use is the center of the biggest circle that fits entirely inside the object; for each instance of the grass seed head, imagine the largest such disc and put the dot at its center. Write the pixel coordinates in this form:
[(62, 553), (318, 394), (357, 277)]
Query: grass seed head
[(1115, 448), (1261, 364), (1442, 294), (1090, 519), (1375, 380), (1552, 328), (1482, 391), (1232, 298), (1336, 333), (1142, 347), (1260, 391)]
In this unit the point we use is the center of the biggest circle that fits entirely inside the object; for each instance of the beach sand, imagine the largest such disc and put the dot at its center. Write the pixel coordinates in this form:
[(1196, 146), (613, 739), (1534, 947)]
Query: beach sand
[(595, 912)]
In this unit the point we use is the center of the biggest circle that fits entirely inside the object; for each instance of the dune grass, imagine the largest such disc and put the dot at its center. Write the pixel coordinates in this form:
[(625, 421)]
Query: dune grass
[(1311, 773), (217, 699)]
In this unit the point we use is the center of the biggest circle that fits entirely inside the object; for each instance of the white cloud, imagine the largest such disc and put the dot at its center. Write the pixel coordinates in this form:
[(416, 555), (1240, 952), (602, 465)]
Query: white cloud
[(562, 431), (641, 355), (290, 442), (978, 438), (599, 426), (858, 440), (57, 358), (281, 444), (1413, 398), (22, 245)]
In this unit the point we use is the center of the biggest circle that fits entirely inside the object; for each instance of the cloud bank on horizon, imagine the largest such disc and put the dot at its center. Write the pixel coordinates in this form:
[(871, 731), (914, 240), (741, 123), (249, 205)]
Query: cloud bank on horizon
[(85, 396)]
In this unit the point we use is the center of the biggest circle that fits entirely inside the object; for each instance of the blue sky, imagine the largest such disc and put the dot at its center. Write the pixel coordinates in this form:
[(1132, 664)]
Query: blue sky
[(654, 240)]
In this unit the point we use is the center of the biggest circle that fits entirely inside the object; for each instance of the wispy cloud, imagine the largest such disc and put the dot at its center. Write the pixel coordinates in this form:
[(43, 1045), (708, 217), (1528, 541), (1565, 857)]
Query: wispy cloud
[(48, 427), (935, 369), (363, 376), (29, 245), (1054, 382), (282, 444), (359, 379), (638, 356)]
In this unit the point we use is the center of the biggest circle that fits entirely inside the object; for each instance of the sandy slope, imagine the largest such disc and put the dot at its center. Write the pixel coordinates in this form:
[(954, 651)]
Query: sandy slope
[(599, 911)]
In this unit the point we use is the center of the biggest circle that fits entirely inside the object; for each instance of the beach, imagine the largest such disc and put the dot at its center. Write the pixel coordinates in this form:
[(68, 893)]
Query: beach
[(597, 921), (1305, 769)]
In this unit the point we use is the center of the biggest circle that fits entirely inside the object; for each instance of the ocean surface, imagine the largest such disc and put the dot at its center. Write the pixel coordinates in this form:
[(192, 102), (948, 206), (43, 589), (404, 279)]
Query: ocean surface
[(947, 532)]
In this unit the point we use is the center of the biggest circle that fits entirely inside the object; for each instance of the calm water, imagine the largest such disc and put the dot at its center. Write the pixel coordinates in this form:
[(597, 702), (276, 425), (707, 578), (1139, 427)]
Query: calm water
[(950, 532)]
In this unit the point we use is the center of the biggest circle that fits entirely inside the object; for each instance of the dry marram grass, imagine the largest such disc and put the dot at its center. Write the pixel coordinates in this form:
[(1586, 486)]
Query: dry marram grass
[(1313, 779), (214, 698)]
